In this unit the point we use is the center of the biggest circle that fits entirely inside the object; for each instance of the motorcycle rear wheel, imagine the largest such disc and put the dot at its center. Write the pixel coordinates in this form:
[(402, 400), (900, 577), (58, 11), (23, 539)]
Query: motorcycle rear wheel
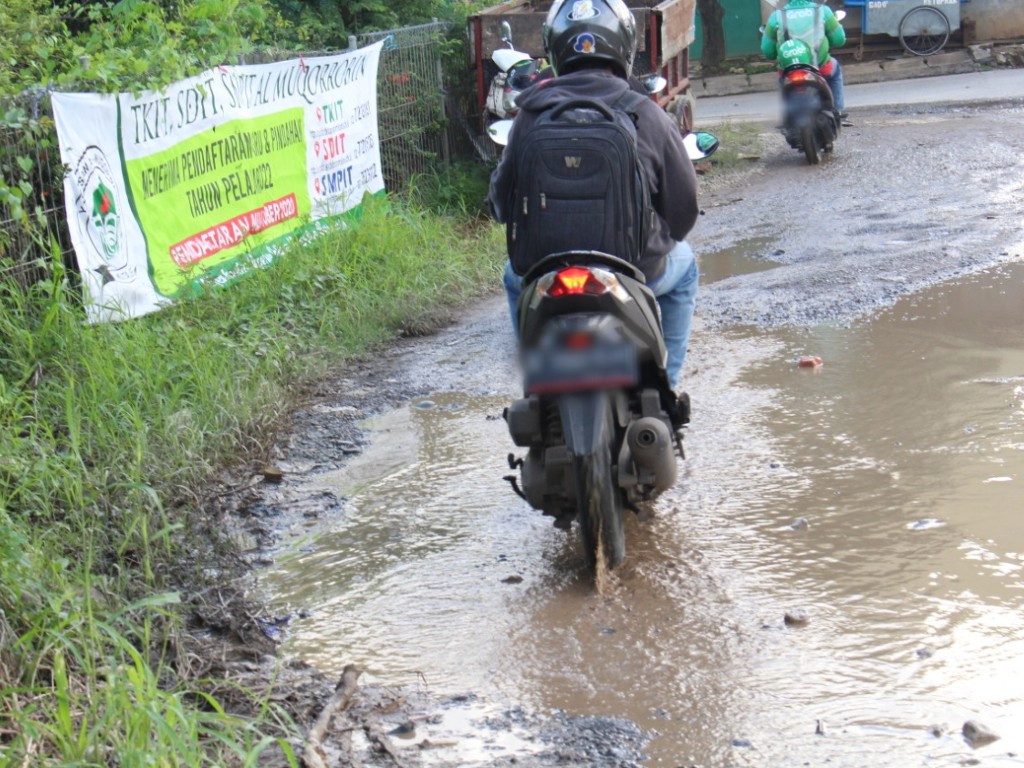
[(600, 508), (810, 145)]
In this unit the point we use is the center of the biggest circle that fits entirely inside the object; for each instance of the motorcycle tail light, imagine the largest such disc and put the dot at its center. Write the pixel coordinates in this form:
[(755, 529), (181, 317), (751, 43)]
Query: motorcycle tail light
[(800, 76), (577, 281)]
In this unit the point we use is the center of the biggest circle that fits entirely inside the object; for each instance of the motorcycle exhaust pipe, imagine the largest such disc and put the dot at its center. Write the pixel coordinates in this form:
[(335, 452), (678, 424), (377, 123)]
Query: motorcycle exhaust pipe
[(650, 444)]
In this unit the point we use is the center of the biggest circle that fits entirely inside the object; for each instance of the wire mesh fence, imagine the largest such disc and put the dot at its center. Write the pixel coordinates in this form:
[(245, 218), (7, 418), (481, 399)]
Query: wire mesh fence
[(421, 127), (32, 214)]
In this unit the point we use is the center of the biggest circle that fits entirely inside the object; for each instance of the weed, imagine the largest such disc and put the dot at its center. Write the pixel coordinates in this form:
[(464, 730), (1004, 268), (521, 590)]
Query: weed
[(109, 432)]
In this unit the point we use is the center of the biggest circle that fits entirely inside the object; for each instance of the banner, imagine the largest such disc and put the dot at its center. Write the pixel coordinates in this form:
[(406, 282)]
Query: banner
[(167, 192)]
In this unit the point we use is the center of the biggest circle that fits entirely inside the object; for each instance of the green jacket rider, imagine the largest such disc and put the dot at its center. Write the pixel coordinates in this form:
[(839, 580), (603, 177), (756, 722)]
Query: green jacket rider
[(817, 26)]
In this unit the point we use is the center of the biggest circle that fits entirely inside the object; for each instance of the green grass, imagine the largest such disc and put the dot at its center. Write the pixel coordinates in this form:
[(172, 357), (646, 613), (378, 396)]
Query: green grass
[(740, 144), (108, 434)]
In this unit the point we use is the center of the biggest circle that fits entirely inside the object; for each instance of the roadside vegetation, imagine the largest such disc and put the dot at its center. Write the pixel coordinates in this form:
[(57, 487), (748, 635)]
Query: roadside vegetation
[(112, 553), (740, 144), (109, 435)]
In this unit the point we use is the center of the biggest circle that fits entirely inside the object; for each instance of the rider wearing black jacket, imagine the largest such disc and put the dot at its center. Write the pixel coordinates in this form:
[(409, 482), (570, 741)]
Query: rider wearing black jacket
[(599, 70)]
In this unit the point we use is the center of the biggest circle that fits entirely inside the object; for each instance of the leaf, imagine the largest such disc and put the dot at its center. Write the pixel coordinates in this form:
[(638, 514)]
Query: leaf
[(155, 601), (25, 163)]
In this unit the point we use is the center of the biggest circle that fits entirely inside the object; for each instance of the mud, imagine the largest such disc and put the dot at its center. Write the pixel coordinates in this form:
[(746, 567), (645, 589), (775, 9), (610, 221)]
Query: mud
[(792, 256)]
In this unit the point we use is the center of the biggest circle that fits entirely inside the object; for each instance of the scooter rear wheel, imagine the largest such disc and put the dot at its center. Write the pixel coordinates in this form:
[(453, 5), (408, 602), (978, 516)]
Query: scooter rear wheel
[(810, 144), (600, 508)]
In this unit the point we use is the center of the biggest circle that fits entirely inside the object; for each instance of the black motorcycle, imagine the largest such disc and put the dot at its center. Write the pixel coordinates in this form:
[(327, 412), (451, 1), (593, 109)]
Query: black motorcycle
[(602, 426), (810, 121)]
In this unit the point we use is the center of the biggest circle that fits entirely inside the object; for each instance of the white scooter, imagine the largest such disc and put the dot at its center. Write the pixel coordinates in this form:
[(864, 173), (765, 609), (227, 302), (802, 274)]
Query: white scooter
[(516, 71)]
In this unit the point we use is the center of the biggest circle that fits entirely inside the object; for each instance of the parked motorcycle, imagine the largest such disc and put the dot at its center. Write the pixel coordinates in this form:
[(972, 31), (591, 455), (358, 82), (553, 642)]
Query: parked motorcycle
[(516, 71), (600, 422)]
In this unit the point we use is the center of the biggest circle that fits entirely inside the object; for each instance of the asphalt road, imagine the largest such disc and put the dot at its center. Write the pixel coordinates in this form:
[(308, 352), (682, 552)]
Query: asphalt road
[(974, 87)]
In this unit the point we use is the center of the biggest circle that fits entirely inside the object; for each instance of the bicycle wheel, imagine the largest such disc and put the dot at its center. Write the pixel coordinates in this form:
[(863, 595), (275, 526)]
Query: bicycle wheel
[(924, 31)]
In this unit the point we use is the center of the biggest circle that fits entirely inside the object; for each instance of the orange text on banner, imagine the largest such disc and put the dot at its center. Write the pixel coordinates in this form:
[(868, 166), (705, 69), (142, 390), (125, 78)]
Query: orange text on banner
[(232, 232)]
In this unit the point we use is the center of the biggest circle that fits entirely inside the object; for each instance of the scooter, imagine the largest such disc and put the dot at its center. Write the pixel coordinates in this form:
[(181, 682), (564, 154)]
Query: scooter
[(810, 121), (516, 71), (600, 422)]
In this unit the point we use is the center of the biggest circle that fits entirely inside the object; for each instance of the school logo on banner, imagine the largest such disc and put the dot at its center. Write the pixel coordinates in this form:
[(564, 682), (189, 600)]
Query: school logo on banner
[(98, 211)]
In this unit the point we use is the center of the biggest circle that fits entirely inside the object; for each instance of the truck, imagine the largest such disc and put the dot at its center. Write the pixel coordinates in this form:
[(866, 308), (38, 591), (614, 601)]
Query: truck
[(665, 31)]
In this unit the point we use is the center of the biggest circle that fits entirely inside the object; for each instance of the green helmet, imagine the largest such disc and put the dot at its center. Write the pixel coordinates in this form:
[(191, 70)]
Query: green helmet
[(794, 52)]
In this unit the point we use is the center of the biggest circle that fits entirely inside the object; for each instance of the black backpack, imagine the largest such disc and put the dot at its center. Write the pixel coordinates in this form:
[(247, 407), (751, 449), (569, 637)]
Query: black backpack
[(579, 184)]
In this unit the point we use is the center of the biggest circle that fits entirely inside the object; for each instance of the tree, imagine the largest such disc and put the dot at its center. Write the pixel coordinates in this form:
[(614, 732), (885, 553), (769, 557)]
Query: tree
[(713, 42), (328, 23)]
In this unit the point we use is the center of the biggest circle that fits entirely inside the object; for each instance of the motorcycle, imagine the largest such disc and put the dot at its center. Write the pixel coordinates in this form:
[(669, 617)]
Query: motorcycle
[(516, 71), (810, 121), (600, 422)]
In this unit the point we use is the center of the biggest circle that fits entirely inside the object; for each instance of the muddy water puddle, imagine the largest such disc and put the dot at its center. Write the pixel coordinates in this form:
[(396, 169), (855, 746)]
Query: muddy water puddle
[(878, 497), (745, 257)]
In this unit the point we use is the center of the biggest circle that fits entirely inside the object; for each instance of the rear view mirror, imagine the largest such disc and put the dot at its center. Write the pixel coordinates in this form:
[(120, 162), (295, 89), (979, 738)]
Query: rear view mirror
[(700, 144), (498, 131), (654, 84)]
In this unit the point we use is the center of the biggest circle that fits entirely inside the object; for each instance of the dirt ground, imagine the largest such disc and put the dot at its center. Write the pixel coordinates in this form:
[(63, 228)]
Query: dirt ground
[(911, 197)]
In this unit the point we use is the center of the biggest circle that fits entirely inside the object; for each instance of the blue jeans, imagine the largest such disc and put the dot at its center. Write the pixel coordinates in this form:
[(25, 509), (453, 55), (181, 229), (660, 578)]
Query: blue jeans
[(835, 82), (675, 290)]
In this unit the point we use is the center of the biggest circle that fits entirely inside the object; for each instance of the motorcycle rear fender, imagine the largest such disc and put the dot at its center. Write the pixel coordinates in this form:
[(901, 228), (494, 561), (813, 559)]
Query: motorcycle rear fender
[(815, 90), (587, 421), (639, 316), (801, 103)]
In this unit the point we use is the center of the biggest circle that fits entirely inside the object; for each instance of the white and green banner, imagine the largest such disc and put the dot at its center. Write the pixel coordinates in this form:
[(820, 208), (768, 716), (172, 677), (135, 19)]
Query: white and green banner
[(167, 192)]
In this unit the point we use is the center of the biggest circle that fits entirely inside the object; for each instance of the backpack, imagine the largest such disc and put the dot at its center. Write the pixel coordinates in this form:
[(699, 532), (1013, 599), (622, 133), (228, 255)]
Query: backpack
[(812, 36), (579, 184)]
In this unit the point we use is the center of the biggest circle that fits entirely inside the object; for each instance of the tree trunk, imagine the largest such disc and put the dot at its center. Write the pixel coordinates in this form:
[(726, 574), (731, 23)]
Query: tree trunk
[(711, 15)]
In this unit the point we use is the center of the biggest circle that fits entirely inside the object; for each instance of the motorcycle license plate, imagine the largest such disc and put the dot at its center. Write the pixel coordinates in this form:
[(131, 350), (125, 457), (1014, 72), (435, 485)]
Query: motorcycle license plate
[(600, 366)]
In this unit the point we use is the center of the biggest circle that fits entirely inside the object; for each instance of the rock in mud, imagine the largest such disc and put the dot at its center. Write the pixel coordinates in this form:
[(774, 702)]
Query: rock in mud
[(796, 618), (979, 734)]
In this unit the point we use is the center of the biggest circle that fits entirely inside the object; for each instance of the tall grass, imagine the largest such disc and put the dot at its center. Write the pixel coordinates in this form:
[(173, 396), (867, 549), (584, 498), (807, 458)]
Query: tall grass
[(107, 435)]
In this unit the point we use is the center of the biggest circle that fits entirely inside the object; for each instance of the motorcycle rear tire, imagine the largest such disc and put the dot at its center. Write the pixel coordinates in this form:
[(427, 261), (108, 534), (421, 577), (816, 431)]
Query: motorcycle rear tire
[(600, 508), (810, 144)]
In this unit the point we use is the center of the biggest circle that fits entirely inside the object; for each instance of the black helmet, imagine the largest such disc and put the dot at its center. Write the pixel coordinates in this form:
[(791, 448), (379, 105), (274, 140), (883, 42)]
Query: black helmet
[(581, 31)]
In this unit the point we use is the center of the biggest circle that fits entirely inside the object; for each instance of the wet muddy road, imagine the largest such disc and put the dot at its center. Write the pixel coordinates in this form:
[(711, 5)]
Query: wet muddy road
[(876, 500)]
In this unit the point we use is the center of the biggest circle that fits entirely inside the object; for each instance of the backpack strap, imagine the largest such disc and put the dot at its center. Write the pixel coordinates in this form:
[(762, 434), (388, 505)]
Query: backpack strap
[(629, 102), (819, 32)]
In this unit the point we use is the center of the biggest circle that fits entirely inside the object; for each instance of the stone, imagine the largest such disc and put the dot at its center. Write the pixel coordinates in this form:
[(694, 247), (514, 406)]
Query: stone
[(796, 618), (978, 734)]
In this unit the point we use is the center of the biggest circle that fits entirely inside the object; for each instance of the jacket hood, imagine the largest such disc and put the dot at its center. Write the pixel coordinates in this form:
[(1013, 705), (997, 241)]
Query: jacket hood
[(593, 84)]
